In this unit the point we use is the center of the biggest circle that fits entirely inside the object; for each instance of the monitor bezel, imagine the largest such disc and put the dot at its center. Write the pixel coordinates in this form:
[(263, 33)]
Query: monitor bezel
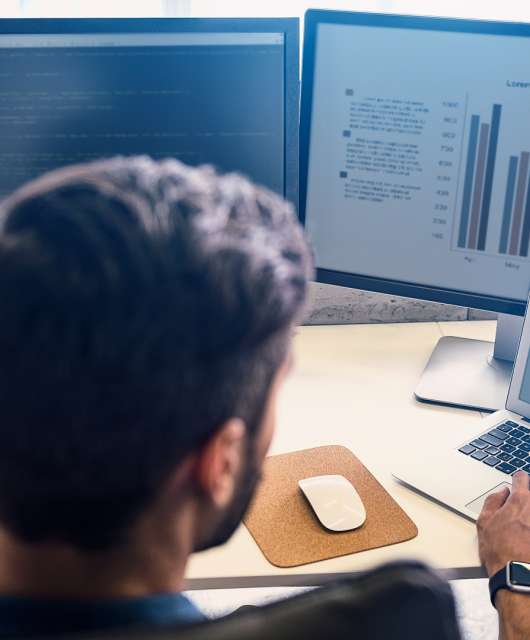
[(289, 27), (313, 18)]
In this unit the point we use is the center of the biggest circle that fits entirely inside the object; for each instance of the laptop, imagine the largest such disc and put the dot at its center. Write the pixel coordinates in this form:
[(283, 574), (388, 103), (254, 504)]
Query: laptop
[(463, 475)]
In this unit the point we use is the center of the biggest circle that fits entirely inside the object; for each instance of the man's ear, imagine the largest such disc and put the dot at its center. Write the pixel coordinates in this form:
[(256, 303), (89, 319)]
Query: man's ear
[(219, 462)]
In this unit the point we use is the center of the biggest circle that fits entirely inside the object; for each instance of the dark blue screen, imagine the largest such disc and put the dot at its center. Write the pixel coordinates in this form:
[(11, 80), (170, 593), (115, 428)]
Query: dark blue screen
[(222, 105)]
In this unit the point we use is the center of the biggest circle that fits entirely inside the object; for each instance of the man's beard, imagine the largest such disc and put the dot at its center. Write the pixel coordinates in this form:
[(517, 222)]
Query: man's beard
[(234, 514)]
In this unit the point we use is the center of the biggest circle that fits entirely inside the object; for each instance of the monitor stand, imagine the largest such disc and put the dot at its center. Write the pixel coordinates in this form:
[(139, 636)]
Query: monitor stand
[(473, 374)]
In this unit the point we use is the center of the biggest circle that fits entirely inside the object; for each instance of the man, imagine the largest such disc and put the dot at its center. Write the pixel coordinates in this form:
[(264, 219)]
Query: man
[(147, 311)]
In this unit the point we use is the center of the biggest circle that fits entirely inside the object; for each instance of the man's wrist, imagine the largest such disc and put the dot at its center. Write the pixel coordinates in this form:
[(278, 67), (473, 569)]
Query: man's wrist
[(506, 601), (493, 566), (494, 569), (514, 614)]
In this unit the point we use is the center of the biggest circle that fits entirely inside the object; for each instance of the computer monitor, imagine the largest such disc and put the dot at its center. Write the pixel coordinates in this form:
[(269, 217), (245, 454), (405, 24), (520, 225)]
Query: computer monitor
[(415, 169), (218, 91)]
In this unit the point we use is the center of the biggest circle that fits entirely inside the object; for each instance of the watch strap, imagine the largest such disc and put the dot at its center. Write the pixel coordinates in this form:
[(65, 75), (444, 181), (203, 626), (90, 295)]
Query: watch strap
[(498, 581)]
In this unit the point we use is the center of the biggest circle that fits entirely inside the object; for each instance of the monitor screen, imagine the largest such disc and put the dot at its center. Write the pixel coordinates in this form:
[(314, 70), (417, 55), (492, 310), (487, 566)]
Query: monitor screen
[(418, 156), (216, 97)]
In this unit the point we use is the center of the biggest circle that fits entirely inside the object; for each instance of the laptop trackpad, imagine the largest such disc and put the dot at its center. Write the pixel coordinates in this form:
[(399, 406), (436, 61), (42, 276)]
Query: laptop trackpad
[(477, 504)]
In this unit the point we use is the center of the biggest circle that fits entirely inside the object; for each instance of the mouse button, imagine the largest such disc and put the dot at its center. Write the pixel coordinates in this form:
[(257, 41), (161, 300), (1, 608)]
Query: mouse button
[(318, 485)]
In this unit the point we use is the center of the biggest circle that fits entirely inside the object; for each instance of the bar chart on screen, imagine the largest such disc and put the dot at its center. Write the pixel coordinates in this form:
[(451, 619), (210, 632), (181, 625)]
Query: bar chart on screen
[(481, 173), (426, 157)]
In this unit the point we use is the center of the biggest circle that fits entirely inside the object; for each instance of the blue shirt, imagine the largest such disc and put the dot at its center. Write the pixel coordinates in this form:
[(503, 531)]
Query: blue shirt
[(34, 616)]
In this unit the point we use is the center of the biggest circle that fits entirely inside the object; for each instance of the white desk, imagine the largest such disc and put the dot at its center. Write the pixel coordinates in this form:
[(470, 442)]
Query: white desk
[(353, 385)]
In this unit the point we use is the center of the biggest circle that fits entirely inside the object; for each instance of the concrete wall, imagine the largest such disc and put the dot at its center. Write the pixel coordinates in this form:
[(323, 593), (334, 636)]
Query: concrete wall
[(339, 305)]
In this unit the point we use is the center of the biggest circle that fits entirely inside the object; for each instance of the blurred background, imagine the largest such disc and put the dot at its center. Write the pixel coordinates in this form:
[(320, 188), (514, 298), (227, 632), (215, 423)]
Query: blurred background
[(506, 10)]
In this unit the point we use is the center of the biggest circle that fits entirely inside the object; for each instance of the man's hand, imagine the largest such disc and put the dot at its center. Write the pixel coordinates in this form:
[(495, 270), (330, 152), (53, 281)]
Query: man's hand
[(504, 526), (504, 535)]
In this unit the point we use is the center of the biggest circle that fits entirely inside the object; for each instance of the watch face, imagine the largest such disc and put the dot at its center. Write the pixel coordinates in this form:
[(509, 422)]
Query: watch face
[(520, 574)]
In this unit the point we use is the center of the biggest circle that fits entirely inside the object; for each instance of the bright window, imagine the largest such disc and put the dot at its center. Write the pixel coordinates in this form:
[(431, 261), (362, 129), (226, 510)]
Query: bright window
[(233, 8), (493, 9), (86, 8), (517, 10), (10, 8)]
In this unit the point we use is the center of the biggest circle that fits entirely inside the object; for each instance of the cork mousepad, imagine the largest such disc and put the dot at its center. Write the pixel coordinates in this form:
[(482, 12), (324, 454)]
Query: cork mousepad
[(287, 531)]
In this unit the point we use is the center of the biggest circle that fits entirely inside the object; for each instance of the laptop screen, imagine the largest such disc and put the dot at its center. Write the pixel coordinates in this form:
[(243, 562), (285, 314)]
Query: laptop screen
[(524, 393), (519, 394)]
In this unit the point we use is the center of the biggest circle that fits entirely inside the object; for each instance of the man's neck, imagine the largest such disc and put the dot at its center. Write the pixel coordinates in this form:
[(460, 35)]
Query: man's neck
[(154, 563)]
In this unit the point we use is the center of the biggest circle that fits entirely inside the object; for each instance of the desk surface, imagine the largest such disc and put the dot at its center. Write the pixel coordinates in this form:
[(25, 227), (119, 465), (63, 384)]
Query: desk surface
[(353, 385)]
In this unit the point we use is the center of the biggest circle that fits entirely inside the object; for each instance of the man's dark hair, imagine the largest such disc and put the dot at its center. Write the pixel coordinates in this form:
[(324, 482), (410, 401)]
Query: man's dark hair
[(142, 304)]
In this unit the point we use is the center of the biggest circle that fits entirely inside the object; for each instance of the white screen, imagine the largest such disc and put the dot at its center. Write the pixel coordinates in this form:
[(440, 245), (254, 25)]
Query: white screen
[(420, 157), (524, 393)]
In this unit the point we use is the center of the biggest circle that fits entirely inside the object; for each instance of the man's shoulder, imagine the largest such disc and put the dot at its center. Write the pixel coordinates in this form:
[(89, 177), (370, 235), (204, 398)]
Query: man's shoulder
[(40, 617), (399, 601)]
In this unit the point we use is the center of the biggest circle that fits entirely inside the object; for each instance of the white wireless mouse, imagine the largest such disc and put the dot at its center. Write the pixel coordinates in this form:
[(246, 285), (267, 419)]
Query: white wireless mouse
[(335, 502)]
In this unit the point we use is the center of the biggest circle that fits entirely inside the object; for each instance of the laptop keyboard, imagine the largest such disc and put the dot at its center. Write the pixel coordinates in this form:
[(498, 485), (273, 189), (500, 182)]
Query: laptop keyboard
[(506, 448)]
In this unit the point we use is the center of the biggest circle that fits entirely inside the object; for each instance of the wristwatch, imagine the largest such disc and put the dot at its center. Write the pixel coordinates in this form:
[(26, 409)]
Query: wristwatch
[(515, 576)]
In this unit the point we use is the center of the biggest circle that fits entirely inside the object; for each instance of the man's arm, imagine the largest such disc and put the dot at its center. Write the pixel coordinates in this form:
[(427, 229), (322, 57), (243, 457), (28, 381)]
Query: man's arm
[(504, 535), (514, 615)]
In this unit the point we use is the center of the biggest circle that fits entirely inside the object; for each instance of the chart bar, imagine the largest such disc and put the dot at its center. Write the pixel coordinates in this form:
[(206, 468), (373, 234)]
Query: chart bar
[(525, 237), (479, 185), (508, 204), (519, 203), (490, 173), (468, 181)]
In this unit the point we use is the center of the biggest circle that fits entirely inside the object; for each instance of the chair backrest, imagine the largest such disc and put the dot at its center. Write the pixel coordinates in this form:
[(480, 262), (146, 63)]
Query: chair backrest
[(402, 601)]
